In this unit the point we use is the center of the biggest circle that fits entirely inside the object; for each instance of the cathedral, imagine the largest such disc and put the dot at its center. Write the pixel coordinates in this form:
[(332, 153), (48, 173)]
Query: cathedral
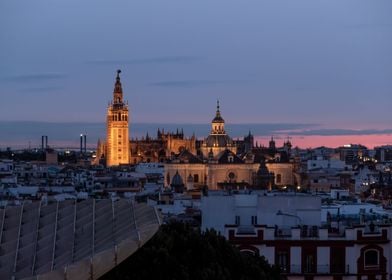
[(218, 140), (224, 163), (118, 149), (216, 161), (217, 165)]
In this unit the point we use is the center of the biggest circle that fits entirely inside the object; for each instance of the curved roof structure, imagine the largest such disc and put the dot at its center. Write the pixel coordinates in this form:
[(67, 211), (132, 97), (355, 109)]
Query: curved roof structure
[(218, 140), (71, 240)]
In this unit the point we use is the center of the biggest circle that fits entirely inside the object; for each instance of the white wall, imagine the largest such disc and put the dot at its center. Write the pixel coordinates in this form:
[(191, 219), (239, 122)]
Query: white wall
[(245, 207), (268, 253), (323, 254), (307, 208), (217, 211), (351, 257), (295, 256)]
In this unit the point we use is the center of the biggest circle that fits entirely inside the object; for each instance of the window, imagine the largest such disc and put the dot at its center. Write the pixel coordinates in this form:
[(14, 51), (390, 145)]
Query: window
[(371, 259), (337, 259), (309, 264), (196, 178), (254, 220), (237, 220), (282, 260)]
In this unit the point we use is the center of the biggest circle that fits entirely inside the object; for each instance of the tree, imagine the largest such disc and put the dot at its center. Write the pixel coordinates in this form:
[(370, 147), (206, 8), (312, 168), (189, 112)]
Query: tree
[(178, 251)]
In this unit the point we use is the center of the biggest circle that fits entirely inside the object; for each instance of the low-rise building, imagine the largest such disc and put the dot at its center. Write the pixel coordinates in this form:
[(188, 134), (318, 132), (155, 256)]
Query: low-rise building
[(288, 230)]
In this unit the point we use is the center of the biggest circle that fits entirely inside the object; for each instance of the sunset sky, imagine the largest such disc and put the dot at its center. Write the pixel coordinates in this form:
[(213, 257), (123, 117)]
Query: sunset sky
[(325, 64)]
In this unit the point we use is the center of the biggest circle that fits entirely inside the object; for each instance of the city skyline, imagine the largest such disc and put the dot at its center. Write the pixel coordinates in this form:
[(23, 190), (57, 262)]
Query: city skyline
[(28, 134), (322, 64)]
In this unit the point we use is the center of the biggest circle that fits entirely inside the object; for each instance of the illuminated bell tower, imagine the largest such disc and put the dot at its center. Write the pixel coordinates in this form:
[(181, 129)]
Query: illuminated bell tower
[(117, 137)]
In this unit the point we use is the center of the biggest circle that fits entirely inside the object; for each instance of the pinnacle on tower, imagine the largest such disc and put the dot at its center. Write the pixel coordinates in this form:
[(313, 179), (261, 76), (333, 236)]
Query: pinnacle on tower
[(117, 92), (218, 117)]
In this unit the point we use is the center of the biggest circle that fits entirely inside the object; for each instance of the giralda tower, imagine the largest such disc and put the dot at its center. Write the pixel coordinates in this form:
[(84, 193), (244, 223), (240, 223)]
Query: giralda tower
[(117, 137)]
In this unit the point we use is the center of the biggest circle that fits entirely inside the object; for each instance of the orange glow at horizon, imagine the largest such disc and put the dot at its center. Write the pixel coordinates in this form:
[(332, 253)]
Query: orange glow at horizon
[(331, 141)]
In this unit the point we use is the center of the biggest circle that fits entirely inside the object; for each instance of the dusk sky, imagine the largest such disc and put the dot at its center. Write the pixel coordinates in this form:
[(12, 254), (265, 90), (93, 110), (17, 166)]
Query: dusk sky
[(327, 63)]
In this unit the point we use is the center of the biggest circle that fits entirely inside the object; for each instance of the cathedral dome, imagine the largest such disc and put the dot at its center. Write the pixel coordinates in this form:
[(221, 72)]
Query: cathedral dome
[(218, 140)]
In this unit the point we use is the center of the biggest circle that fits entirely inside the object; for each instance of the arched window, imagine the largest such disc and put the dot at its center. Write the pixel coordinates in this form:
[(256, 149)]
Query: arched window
[(372, 258)]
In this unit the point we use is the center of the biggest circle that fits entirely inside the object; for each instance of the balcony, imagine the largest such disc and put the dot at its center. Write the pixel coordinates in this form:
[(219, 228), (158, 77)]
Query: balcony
[(309, 232), (246, 230), (301, 232), (315, 269), (283, 233)]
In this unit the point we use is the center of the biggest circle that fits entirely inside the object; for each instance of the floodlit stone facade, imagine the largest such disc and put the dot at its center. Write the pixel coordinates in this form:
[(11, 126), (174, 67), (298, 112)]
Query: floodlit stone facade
[(117, 137)]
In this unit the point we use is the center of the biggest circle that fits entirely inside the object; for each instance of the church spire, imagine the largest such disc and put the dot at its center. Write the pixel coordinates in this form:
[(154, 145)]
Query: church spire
[(218, 118), (217, 109), (117, 92)]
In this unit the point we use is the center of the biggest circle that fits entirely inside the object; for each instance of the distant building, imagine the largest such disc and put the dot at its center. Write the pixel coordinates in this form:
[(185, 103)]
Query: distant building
[(219, 165), (216, 165), (119, 149), (217, 161), (352, 153), (51, 156), (117, 134), (296, 233), (218, 140), (384, 153), (165, 145)]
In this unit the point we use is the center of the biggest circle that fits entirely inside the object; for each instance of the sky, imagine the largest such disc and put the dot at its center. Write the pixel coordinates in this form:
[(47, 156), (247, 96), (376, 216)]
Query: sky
[(327, 63)]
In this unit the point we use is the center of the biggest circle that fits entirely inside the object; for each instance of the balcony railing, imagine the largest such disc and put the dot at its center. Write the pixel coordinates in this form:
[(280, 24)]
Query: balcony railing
[(309, 231), (282, 233), (315, 269)]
